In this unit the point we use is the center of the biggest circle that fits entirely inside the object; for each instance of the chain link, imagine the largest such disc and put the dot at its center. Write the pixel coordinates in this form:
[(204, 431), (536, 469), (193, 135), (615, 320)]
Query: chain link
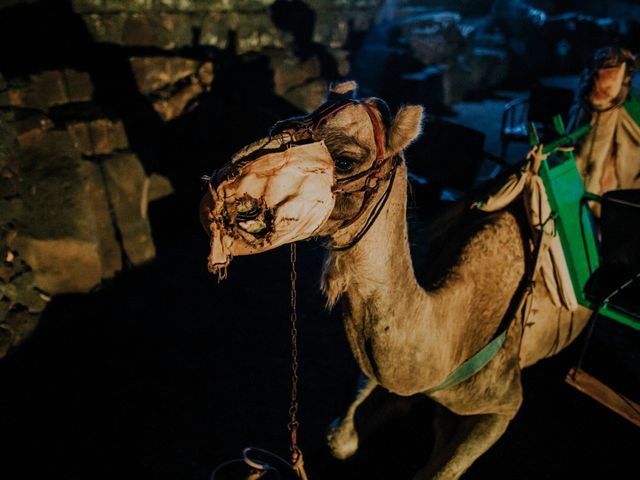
[(296, 454), (259, 467), (293, 409)]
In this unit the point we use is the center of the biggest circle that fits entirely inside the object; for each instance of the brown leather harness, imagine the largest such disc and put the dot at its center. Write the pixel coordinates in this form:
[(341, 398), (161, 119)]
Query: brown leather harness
[(303, 129)]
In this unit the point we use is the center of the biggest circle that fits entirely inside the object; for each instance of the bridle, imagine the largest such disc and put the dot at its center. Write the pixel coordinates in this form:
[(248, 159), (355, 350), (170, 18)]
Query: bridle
[(383, 169), (589, 80), (303, 130)]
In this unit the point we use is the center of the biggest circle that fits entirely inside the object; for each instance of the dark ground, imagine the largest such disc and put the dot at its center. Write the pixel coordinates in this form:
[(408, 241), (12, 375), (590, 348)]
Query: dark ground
[(165, 374)]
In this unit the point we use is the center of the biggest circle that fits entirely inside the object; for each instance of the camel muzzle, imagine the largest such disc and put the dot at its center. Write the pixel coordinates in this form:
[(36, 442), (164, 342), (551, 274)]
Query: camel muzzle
[(259, 204)]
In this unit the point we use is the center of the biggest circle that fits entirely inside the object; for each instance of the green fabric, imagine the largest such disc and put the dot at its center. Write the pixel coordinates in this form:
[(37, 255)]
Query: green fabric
[(632, 106), (473, 365)]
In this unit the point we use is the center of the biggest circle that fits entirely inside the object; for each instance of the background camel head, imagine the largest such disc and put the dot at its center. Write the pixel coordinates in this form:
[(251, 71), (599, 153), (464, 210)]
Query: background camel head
[(605, 82), (313, 176)]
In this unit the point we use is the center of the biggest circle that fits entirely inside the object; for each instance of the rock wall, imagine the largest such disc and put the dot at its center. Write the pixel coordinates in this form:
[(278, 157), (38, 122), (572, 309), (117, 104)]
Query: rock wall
[(177, 23), (82, 105), (278, 29), (441, 52), (73, 197)]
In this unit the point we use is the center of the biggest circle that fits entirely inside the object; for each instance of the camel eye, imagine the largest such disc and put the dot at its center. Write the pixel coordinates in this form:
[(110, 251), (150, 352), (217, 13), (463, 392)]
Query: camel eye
[(344, 164)]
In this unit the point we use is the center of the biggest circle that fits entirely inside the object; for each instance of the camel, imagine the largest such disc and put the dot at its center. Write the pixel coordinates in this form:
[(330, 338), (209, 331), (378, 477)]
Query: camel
[(407, 334), (607, 157)]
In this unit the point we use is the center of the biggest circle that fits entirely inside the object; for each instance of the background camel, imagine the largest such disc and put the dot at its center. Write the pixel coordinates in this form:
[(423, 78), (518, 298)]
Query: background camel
[(607, 156), (407, 334)]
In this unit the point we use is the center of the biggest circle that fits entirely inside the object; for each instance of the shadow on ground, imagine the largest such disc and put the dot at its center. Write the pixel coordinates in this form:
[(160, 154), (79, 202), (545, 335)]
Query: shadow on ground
[(165, 374)]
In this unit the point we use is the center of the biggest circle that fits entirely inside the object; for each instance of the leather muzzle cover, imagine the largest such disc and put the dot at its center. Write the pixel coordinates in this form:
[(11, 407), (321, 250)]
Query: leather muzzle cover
[(274, 199)]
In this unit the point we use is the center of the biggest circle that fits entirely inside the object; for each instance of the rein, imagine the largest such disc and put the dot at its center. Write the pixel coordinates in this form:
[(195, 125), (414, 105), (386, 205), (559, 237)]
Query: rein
[(284, 135), (257, 459)]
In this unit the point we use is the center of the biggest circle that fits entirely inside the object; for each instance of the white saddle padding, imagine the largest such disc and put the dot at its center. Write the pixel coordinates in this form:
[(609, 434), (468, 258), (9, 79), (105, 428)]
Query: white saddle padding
[(552, 262)]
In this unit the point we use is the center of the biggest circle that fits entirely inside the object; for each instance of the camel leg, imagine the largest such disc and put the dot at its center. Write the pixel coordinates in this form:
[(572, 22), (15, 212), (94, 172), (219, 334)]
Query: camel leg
[(470, 438), (444, 428), (342, 437)]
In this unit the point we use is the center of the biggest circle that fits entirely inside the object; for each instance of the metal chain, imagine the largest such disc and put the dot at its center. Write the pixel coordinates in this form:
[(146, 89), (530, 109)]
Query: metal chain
[(293, 409), (259, 466)]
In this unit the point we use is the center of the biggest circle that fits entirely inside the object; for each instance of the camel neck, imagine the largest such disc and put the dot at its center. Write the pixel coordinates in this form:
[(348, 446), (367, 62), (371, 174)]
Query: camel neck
[(382, 301), (380, 263)]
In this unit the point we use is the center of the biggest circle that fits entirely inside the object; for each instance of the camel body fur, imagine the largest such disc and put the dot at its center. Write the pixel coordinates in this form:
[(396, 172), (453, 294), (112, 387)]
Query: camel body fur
[(408, 339), (409, 335)]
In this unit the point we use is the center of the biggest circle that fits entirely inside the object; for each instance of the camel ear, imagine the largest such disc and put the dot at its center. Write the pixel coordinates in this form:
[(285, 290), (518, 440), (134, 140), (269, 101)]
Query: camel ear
[(405, 128)]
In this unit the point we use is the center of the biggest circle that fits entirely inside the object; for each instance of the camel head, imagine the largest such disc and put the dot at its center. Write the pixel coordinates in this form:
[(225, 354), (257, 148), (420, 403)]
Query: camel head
[(325, 174), (606, 81)]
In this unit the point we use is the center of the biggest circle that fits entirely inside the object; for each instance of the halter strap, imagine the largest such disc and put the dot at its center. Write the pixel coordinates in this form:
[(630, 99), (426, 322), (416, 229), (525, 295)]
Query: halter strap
[(367, 181), (378, 133), (303, 129)]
